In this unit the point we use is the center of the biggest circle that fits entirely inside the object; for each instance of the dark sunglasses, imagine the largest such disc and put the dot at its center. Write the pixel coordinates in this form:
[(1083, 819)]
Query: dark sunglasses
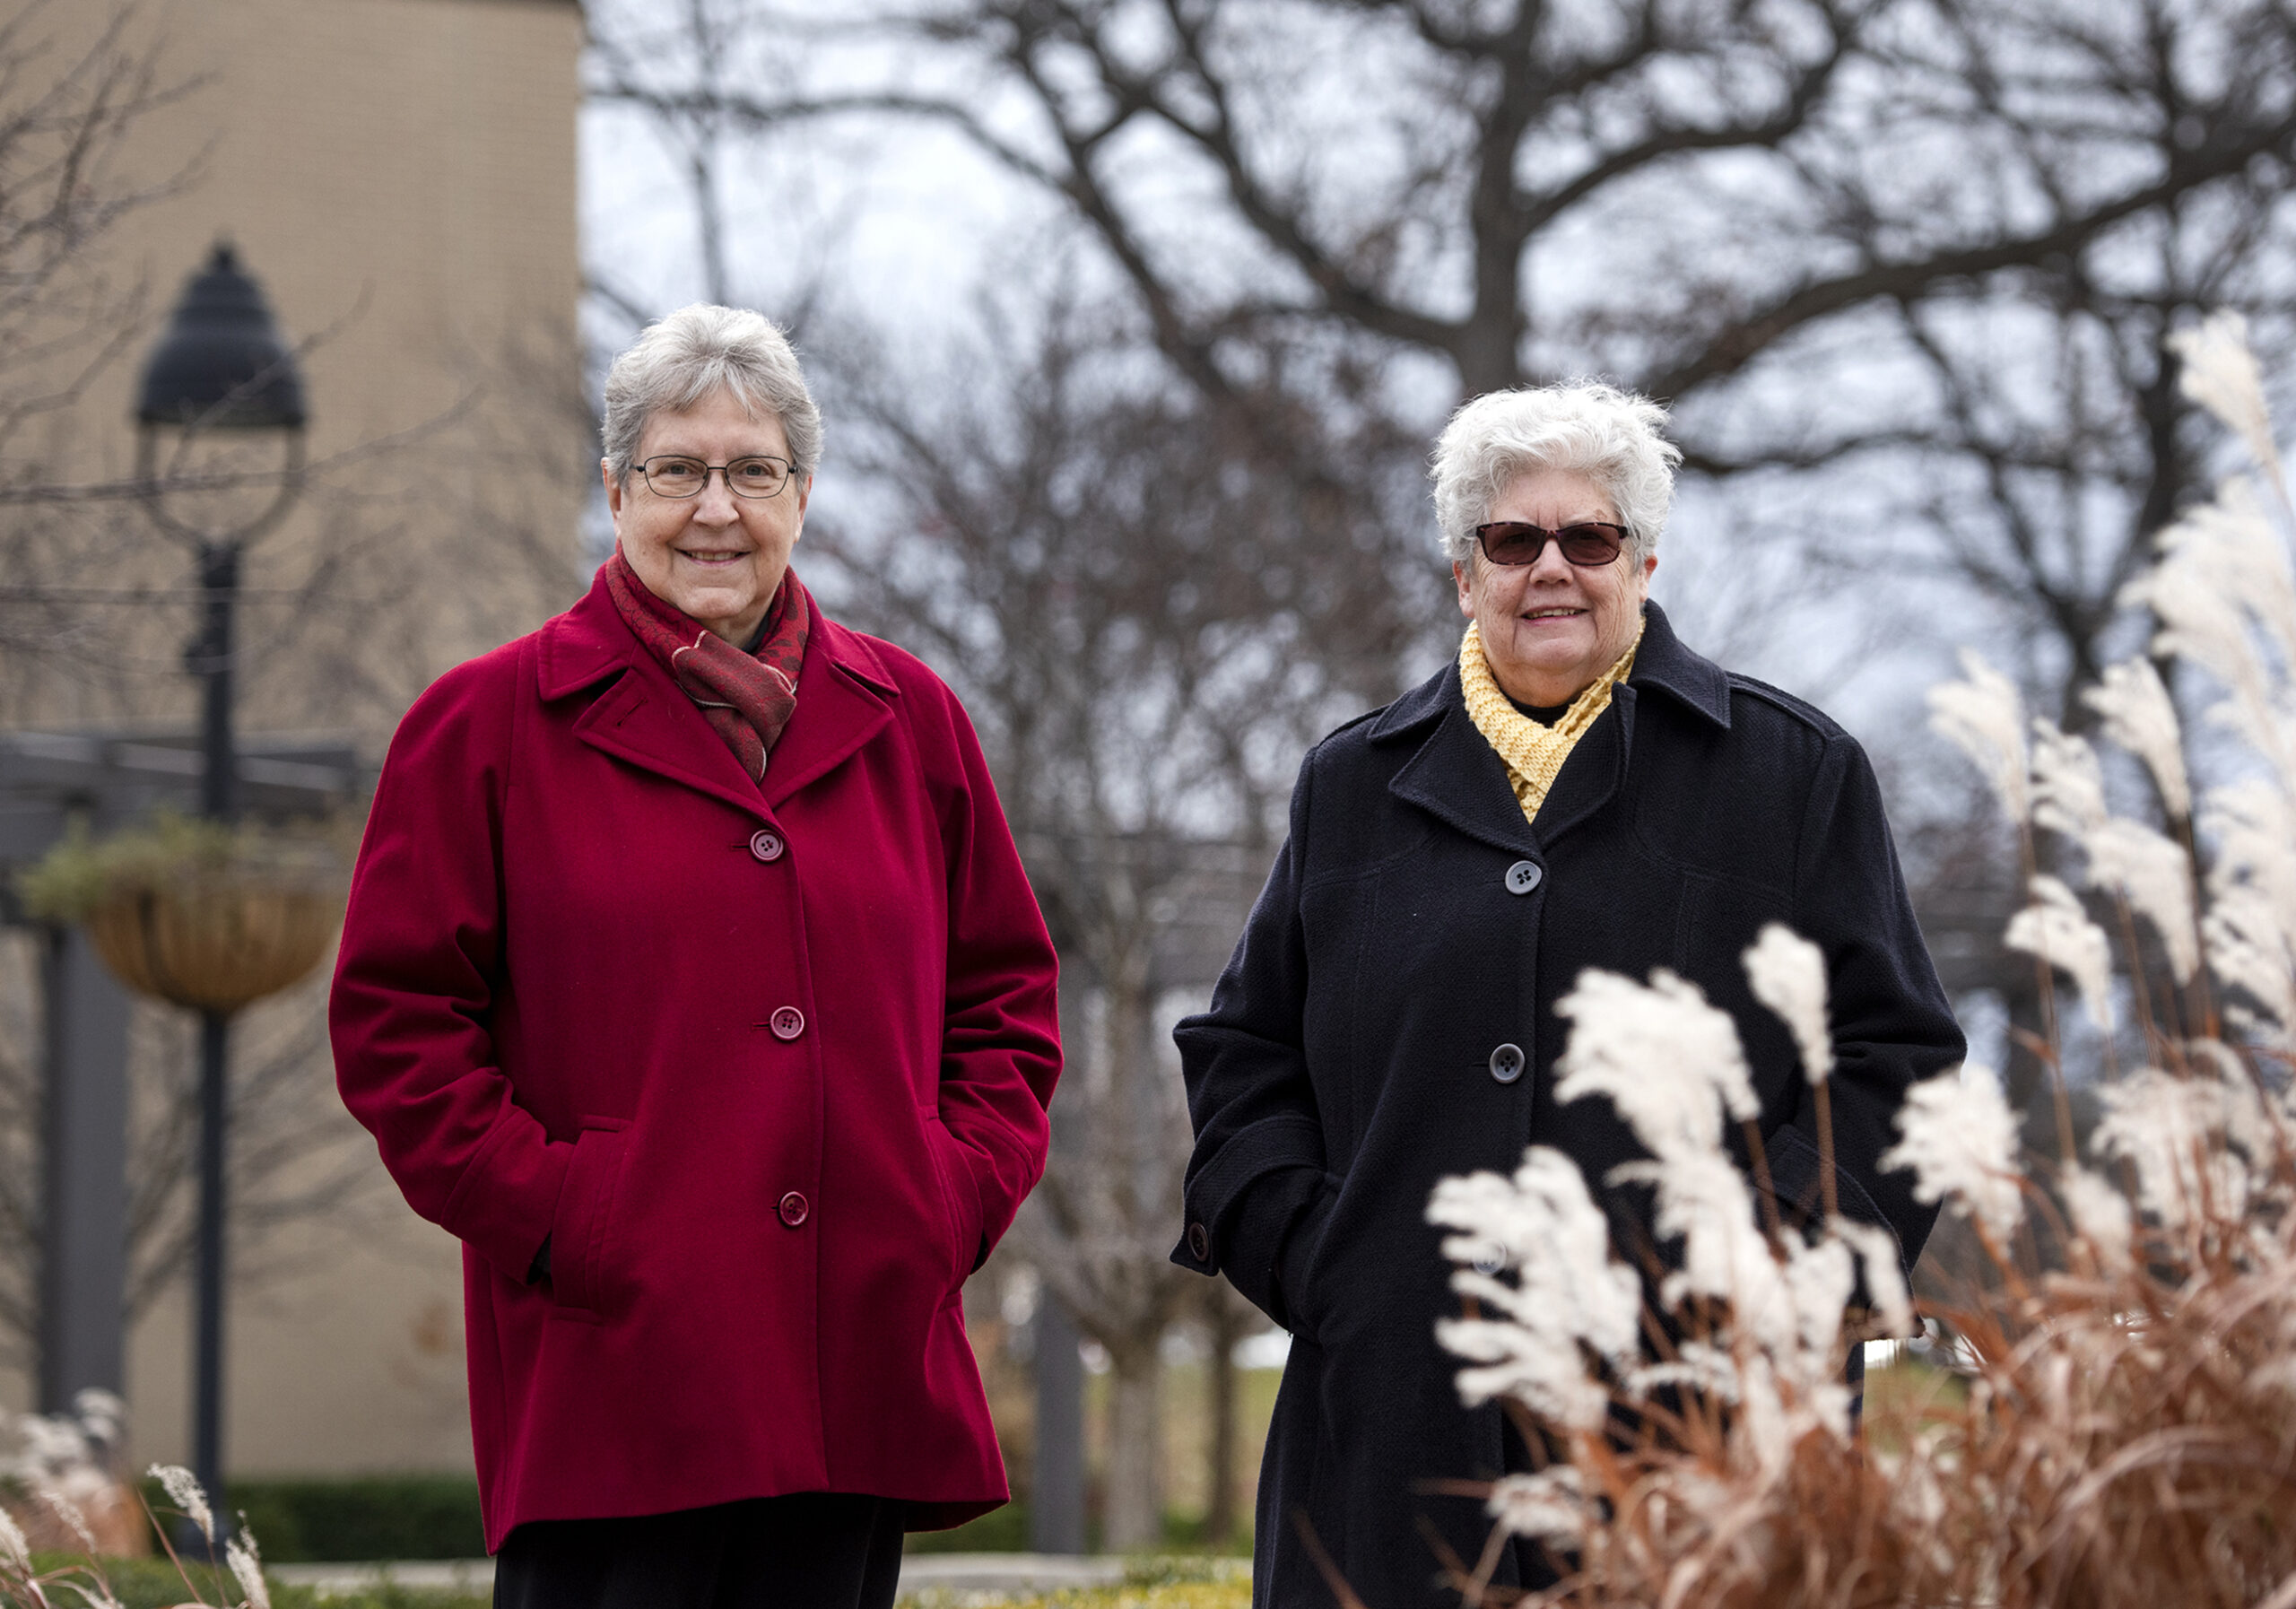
[(1589, 544)]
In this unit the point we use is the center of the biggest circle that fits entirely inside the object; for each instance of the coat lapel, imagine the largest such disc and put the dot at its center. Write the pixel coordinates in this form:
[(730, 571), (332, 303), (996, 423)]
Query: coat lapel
[(1456, 774), (1594, 770), (644, 718), (657, 728), (843, 694)]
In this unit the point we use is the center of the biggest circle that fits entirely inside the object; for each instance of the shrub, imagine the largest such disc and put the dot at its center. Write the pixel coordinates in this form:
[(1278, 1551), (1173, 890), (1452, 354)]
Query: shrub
[(359, 1518), (1004, 1530)]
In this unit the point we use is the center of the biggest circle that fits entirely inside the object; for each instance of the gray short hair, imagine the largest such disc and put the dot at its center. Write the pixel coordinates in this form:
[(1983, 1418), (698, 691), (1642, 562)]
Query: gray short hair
[(682, 359), (1597, 431)]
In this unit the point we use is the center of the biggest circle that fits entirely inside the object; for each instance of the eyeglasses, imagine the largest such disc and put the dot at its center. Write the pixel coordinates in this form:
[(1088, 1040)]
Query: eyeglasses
[(676, 475), (1589, 544)]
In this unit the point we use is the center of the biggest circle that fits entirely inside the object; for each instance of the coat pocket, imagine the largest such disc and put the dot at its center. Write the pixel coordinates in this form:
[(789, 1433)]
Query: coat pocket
[(1304, 1273), (959, 1202), (1795, 1170), (581, 1233)]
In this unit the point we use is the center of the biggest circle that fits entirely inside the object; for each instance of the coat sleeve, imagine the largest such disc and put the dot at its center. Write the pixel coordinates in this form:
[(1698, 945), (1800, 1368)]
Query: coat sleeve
[(1891, 1020), (1256, 1197), (414, 979), (1000, 1043)]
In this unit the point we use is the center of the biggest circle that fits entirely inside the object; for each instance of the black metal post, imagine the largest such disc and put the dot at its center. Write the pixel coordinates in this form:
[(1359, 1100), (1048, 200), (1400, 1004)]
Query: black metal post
[(83, 1226), (219, 578), (208, 1385)]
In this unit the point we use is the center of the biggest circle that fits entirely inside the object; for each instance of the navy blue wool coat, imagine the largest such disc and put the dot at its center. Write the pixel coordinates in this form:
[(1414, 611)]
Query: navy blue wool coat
[(1388, 1019)]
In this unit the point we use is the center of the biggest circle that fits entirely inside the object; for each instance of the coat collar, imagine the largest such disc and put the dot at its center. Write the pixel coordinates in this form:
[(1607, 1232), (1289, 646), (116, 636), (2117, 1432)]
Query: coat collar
[(843, 700), (1662, 662), (1456, 775)]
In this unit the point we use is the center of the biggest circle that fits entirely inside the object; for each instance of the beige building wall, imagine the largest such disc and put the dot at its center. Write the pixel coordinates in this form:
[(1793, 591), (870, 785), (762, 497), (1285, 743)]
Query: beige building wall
[(399, 174)]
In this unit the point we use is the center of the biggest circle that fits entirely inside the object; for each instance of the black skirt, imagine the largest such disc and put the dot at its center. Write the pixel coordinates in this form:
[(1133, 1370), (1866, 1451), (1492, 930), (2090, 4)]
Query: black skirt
[(811, 1550)]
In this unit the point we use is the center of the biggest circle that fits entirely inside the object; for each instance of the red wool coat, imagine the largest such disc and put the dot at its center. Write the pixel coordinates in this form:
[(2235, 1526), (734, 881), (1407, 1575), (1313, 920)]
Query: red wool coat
[(766, 1064)]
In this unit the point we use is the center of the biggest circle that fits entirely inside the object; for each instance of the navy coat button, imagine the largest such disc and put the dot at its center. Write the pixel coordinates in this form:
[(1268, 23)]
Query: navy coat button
[(794, 1209), (787, 1023), (1507, 1062), (1199, 1242), (765, 846), (1523, 876)]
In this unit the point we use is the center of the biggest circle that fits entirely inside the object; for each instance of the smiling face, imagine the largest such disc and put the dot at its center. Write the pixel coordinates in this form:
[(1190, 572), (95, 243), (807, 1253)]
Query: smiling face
[(1549, 628), (717, 557)]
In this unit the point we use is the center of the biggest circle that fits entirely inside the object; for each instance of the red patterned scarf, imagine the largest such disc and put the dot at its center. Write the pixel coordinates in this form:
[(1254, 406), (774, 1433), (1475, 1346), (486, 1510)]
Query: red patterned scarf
[(748, 697)]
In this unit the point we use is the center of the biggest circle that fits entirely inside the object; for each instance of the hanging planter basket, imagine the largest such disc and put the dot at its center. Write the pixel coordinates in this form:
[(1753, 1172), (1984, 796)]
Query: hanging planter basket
[(192, 913), (212, 944)]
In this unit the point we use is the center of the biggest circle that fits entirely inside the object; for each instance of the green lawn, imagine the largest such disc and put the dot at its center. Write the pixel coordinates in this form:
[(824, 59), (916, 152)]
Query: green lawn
[(1900, 1397), (155, 1584)]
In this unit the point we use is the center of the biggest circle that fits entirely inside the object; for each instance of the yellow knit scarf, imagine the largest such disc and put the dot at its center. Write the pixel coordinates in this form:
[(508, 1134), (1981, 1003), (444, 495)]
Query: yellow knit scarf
[(1534, 753)]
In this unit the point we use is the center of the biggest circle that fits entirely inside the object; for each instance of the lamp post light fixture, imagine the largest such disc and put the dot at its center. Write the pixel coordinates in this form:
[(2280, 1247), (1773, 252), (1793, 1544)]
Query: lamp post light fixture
[(220, 391)]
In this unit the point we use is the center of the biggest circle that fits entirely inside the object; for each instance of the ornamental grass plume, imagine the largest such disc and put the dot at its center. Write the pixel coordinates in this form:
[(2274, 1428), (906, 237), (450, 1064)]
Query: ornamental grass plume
[(2126, 858), (1961, 1146), (184, 1492), (1788, 975), (59, 1473), (2221, 374), (35, 1581), (2122, 1431), (2139, 715), (2054, 928), (1567, 1298), (2223, 575), (245, 1559), (1984, 716)]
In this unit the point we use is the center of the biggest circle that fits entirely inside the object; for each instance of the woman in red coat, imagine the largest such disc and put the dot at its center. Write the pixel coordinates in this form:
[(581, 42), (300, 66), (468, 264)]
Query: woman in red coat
[(691, 980)]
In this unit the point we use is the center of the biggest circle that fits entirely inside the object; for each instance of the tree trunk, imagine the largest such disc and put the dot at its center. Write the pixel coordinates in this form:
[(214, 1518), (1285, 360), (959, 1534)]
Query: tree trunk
[(1225, 1321), (1136, 1487), (1057, 1490)]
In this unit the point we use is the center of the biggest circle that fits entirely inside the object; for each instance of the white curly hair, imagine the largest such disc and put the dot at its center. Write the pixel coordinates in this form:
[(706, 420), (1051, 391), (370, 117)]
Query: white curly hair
[(1609, 435)]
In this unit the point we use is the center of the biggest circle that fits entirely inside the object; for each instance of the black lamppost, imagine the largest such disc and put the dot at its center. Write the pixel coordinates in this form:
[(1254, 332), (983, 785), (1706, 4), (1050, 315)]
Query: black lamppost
[(221, 397)]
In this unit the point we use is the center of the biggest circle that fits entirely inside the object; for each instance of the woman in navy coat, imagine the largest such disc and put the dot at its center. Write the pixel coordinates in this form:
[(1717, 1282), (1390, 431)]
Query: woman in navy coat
[(1577, 789)]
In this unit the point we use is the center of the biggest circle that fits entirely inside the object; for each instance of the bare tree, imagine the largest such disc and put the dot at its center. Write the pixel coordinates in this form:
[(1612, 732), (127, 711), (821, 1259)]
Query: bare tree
[(1768, 211), (682, 67), (1229, 1320), (2046, 442), (1091, 568)]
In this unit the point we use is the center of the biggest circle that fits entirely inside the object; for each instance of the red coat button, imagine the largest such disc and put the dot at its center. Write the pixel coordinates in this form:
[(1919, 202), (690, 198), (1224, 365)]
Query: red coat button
[(765, 846), (787, 1023), (794, 1209)]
